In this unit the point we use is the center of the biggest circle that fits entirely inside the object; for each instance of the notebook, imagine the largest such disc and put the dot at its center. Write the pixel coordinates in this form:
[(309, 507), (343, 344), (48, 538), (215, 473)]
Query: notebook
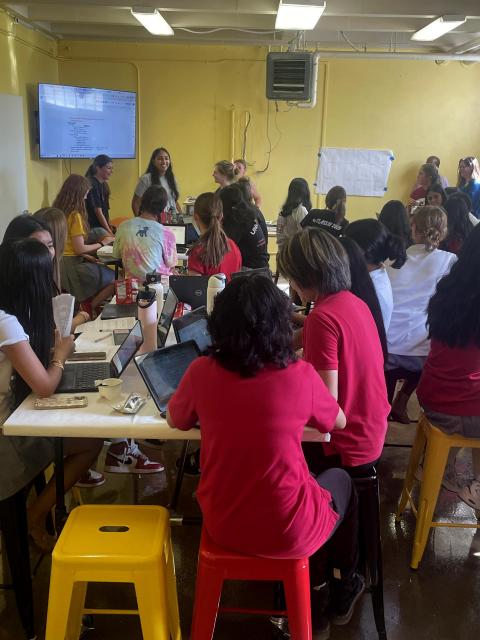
[(190, 289), (193, 326), (163, 369), (165, 319), (81, 376)]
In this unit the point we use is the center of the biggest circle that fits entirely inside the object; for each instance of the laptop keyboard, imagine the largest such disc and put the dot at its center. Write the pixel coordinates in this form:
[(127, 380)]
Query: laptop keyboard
[(87, 373)]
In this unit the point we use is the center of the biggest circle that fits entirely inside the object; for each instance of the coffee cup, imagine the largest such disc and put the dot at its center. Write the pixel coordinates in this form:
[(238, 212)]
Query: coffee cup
[(110, 388)]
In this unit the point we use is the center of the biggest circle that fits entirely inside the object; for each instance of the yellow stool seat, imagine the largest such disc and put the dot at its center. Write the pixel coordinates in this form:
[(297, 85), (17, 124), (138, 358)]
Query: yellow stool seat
[(110, 543), (436, 445)]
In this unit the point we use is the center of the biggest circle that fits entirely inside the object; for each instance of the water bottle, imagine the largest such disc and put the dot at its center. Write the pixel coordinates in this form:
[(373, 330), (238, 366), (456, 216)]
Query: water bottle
[(216, 284), (154, 281), (147, 314)]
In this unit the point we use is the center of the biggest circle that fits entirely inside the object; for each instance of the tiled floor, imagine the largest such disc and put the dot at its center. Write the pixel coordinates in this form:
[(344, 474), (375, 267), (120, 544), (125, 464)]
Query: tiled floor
[(438, 602)]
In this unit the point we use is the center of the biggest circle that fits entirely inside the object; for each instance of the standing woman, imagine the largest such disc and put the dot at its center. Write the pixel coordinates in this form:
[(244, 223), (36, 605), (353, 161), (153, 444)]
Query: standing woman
[(81, 274), (241, 225), (240, 171), (159, 172), (295, 208), (224, 173), (246, 189), (469, 181), (98, 199), (26, 365), (213, 252)]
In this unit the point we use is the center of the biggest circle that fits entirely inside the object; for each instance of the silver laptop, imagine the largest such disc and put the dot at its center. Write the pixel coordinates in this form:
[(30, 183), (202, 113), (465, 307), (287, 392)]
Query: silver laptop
[(193, 326)]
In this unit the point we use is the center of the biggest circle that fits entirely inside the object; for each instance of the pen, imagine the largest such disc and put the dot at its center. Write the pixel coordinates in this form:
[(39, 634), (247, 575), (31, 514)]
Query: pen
[(107, 335)]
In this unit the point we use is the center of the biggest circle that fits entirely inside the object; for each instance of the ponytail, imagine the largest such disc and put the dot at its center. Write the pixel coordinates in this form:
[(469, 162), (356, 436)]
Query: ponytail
[(377, 243), (395, 250), (213, 243), (431, 223)]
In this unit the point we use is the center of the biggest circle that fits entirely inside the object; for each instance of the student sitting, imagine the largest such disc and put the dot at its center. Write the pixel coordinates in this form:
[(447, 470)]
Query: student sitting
[(143, 243), (247, 193), (323, 219), (378, 246), (241, 225), (394, 216), (256, 494), (341, 340), (213, 252), (336, 201), (412, 287), (81, 274), (26, 340), (294, 210), (459, 225)]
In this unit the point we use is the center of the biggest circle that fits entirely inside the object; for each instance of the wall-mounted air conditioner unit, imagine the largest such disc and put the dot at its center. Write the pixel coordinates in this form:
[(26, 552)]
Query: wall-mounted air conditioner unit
[(291, 76)]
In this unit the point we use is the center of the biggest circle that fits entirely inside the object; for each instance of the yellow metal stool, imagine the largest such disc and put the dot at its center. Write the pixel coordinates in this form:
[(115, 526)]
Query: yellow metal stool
[(110, 543), (436, 445)]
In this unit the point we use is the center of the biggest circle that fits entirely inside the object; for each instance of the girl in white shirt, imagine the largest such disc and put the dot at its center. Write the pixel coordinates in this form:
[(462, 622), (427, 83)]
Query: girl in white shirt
[(27, 364), (412, 286), (159, 171), (294, 210)]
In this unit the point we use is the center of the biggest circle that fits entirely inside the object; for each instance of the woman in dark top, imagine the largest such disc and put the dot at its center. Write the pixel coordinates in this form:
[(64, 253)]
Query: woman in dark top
[(245, 185), (98, 198), (459, 225), (241, 225), (395, 217)]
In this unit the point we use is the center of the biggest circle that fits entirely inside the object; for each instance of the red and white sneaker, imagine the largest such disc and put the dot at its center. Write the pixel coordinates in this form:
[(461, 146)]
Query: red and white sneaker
[(90, 479), (126, 457)]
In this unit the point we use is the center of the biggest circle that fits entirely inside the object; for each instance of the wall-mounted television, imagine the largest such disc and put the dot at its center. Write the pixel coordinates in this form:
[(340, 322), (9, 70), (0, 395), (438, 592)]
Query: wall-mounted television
[(81, 122)]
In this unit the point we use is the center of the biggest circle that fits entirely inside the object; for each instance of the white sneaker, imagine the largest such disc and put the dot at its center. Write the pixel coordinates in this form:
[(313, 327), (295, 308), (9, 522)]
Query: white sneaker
[(126, 457), (471, 494), (451, 480)]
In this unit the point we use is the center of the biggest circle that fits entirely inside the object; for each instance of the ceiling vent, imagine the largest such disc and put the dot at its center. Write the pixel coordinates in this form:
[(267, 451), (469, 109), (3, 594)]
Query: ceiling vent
[(290, 76)]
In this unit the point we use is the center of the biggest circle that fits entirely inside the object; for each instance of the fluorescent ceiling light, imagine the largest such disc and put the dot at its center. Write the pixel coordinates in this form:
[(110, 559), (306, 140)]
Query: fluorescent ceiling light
[(299, 15), (152, 20), (439, 27)]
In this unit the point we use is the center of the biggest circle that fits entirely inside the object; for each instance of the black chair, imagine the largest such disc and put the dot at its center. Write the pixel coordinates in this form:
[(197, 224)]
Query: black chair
[(371, 545), (13, 524)]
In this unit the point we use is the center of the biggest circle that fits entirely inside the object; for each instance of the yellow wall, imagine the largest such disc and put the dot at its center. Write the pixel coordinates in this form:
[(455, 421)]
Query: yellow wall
[(190, 97), (26, 58)]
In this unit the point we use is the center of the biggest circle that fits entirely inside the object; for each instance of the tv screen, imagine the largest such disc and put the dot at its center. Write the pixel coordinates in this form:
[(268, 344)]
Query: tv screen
[(79, 122)]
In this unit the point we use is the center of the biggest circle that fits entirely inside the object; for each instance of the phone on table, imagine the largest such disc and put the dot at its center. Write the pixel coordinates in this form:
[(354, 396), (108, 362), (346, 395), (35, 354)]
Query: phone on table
[(61, 402)]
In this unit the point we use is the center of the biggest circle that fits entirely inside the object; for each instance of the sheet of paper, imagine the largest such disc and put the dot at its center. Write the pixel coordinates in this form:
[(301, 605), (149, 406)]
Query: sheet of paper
[(110, 325), (89, 342), (361, 172), (63, 313)]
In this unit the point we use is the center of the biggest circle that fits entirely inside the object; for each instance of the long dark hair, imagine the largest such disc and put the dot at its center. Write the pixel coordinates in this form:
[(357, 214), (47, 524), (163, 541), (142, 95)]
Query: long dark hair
[(335, 201), (213, 243), (376, 242), (99, 162), (363, 287), (235, 208), (169, 175), (298, 194), (26, 286), (22, 227), (250, 326), (453, 315), (459, 224), (395, 217)]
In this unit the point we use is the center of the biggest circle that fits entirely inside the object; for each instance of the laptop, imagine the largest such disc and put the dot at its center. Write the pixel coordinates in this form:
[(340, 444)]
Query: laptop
[(190, 289), (262, 271), (81, 376), (114, 311), (163, 369), (165, 319), (193, 326), (180, 233)]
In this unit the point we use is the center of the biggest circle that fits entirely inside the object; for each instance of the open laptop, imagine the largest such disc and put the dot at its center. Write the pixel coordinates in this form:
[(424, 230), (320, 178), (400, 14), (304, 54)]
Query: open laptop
[(180, 233), (81, 376), (262, 271), (163, 369), (114, 311), (193, 326), (190, 289), (166, 316)]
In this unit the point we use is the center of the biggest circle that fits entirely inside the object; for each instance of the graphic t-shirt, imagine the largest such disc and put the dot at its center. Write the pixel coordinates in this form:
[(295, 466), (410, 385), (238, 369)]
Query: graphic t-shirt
[(250, 240)]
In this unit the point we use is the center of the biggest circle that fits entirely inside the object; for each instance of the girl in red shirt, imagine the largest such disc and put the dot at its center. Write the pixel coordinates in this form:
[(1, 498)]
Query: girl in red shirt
[(214, 252), (256, 493)]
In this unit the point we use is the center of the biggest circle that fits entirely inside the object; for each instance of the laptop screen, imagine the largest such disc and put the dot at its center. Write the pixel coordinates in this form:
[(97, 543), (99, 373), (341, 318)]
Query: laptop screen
[(179, 231), (128, 348), (193, 326), (163, 369), (165, 320)]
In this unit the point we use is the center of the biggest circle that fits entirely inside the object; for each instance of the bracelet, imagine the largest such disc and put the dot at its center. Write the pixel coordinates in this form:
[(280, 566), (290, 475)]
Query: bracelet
[(57, 363)]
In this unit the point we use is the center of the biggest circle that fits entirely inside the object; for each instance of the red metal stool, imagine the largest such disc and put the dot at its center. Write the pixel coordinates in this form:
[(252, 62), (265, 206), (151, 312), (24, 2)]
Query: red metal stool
[(216, 565)]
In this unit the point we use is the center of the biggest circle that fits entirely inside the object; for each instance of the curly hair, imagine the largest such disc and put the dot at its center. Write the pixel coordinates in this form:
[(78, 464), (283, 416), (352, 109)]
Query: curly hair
[(71, 197), (431, 225), (250, 326)]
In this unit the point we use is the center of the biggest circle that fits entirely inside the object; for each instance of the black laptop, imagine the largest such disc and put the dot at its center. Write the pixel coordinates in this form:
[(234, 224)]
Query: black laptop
[(166, 316), (81, 376), (163, 369), (190, 289), (262, 271), (193, 326), (114, 311)]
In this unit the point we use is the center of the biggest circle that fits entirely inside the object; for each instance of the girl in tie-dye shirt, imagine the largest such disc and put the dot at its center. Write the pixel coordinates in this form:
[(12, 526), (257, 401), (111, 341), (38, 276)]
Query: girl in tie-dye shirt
[(143, 244)]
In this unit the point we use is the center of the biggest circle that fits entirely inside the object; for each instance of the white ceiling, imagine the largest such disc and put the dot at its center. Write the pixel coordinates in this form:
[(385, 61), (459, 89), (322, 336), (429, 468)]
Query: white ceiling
[(363, 24)]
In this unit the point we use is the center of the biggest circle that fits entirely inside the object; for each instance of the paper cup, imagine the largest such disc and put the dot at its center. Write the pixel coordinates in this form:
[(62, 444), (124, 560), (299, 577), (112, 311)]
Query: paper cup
[(110, 388)]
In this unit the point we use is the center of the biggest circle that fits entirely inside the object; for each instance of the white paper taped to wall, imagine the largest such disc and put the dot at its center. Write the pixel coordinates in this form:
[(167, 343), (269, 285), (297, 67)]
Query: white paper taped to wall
[(362, 172)]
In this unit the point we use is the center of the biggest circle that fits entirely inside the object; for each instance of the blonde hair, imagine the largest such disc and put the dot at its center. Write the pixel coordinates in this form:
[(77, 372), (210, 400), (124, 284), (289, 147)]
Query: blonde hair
[(71, 197), (226, 168), (431, 225), (56, 222)]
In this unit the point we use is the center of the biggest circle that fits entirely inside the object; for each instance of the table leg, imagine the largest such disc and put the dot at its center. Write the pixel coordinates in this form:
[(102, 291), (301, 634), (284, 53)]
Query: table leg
[(179, 480), (60, 507)]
